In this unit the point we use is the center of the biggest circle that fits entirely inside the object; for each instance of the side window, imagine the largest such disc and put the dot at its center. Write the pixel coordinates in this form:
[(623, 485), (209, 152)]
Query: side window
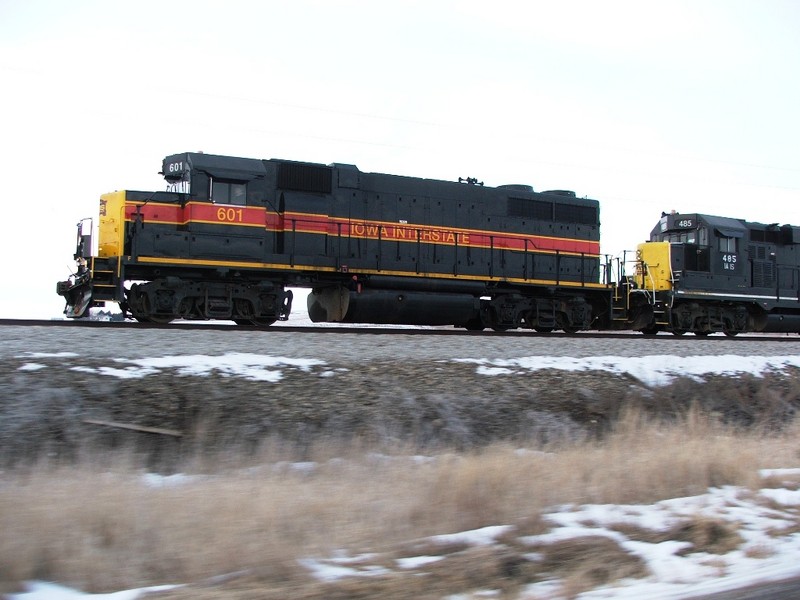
[(228, 192), (727, 244)]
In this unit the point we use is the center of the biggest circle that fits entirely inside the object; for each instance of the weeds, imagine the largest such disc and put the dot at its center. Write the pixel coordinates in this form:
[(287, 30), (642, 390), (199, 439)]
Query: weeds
[(100, 525)]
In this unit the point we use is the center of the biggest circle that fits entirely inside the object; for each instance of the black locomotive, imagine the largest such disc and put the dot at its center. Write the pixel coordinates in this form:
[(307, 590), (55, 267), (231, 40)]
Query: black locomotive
[(707, 274), (231, 235)]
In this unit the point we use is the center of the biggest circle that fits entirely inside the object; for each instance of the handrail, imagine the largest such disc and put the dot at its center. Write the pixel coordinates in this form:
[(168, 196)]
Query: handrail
[(364, 229)]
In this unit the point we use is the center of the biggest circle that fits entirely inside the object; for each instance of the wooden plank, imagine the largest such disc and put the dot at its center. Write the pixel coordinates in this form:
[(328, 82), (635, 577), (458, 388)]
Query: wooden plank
[(130, 426)]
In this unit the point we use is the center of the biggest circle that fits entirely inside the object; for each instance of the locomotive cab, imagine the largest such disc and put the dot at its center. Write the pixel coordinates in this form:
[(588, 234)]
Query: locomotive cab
[(704, 251)]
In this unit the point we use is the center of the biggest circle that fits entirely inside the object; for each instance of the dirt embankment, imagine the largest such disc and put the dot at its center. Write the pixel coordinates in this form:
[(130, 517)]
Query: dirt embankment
[(57, 410)]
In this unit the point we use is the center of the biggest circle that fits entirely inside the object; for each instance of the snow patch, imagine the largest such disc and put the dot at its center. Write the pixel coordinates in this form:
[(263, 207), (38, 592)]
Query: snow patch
[(655, 370), (47, 355), (41, 590), (32, 367), (255, 367)]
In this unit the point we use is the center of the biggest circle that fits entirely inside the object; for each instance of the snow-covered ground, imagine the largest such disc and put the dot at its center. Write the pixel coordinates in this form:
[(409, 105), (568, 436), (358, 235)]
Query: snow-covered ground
[(763, 556), (673, 576)]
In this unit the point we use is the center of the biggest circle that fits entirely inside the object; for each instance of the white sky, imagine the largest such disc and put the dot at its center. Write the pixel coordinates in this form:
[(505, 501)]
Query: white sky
[(647, 106)]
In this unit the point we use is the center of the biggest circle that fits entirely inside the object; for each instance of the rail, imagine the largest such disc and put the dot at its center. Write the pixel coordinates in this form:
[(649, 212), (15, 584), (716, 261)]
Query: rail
[(372, 330)]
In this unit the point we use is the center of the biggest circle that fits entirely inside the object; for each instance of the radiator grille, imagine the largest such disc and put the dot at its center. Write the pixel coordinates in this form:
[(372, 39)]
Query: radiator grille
[(305, 178)]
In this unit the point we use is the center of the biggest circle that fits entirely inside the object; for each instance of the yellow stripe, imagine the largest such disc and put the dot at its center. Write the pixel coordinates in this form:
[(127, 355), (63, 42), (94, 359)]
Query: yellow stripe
[(444, 228), (290, 214), (236, 223), (284, 267)]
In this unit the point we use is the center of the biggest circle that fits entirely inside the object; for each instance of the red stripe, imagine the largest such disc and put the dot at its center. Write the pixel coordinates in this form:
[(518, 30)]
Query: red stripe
[(201, 212), (438, 235), (196, 212)]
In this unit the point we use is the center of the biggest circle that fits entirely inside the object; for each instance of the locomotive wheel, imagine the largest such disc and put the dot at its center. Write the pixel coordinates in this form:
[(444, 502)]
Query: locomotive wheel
[(142, 310), (730, 333), (543, 329), (151, 318), (678, 331)]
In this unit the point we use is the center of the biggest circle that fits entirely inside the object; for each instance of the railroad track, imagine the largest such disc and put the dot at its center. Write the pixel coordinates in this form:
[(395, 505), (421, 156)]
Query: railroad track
[(383, 330)]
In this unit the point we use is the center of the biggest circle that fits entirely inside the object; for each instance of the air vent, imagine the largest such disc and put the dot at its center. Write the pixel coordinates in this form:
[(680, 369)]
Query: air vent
[(302, 177), (530, 209), (570, 213)]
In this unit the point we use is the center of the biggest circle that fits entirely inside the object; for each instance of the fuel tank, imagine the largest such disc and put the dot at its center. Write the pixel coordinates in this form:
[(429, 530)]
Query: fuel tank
[(391, 307)]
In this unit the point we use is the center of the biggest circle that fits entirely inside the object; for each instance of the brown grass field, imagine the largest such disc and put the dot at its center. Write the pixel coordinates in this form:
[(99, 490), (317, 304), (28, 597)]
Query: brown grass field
[(238, 527)]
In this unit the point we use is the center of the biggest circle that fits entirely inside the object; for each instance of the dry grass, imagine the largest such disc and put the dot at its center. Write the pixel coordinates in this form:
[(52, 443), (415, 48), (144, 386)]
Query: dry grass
[(589, 561), (704, 534), (96, 525)]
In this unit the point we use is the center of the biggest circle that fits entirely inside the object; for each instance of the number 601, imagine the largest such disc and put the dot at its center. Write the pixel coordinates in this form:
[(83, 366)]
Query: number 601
[(229, 214)]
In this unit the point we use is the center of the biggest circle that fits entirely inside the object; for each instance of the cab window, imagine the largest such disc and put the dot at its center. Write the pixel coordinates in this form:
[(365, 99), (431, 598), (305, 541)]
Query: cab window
[(228, 192), (681, 237)]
